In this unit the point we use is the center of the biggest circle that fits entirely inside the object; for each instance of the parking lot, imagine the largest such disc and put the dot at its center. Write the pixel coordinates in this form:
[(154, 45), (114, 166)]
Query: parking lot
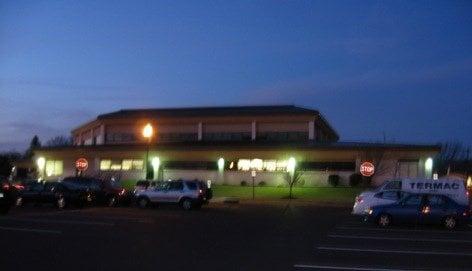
[(246, 236)]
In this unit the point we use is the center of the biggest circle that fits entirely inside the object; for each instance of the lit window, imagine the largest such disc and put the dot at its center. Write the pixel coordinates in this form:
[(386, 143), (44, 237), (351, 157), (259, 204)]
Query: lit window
[(127, 164), (244, 164), (138, 164), (115, 165), (282, 165), (257, 164), (54, 168), (105, 164), (270, 165)]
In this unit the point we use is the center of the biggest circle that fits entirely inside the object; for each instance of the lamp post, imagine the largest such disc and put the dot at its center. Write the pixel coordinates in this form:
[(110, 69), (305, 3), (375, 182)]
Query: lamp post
[(148, 131)]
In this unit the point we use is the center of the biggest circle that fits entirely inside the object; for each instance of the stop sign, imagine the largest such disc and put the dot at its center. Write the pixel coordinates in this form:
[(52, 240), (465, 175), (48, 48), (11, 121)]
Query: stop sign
[(367, 169), (81, 164)]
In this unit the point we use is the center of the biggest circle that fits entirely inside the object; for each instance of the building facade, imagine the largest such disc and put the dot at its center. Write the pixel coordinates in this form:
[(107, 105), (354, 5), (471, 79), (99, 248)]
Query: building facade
[(226, 145)]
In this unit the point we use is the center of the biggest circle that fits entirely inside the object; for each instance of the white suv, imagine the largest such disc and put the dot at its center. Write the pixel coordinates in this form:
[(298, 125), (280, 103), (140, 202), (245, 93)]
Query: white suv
[(188, 194)]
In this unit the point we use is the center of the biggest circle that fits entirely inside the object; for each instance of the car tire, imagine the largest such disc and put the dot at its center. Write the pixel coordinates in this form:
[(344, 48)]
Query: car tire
[(112, 201), (143, 202), (187, 204), (450, 222), (384, 220), (61, 202)]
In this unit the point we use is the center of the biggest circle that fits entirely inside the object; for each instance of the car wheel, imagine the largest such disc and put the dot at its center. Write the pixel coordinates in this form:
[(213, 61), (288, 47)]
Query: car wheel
[(112, 201), (19, 202), (187, 204), (61, 202), (450, 222), (143, 203), (384, 220)]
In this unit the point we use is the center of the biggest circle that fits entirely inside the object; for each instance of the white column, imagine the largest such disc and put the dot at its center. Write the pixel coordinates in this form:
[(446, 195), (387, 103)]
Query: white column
[(101, 137), (253, 131), (311, 130), (200, 131)]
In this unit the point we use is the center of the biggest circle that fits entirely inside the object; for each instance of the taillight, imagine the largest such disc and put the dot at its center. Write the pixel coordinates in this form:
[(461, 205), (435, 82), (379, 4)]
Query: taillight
[(19, 186), (6, 186)]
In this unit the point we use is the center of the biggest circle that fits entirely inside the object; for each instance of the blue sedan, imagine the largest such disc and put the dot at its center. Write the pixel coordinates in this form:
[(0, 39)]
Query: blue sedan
[(420, 209)]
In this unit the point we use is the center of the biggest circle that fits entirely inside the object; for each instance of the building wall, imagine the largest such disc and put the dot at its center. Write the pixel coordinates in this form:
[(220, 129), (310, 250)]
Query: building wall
[(389, 167)]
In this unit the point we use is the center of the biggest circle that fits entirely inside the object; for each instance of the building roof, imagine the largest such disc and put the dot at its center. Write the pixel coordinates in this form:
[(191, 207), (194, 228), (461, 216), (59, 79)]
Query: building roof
[(210, 111)]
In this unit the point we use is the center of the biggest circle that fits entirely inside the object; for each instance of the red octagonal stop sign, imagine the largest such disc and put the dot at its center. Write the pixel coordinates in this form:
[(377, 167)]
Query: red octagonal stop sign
[(367, 169), (81, 164)]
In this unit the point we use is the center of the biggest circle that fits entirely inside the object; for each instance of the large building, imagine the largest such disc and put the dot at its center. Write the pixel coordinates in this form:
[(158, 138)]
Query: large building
[(225, 145)]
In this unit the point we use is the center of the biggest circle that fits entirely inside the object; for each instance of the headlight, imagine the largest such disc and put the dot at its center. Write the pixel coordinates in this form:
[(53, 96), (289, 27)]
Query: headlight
[(369, 211)]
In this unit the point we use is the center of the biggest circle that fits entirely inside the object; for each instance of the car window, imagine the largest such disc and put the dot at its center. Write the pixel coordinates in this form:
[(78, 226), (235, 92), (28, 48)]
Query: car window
[(413, 200), (393, 185), (391, 195), (191, 185), (176, 186), (34, 187), (50, 187), (436, 200)]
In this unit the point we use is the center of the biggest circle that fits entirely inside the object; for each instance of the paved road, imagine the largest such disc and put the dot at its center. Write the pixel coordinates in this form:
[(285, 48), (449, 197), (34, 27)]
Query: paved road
[(222, 237)]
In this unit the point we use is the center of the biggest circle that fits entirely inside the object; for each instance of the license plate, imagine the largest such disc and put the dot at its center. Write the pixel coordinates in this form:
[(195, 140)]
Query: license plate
[(1, 195)]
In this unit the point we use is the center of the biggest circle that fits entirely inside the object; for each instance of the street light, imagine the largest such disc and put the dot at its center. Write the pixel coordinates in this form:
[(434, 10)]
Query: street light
[(148, 132)]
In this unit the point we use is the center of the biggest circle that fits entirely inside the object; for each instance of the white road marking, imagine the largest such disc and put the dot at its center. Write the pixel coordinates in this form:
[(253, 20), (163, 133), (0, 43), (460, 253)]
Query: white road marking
[(395, 251), (330, 267), (30, 230), (399, 238), (400, 230), (77, 222)]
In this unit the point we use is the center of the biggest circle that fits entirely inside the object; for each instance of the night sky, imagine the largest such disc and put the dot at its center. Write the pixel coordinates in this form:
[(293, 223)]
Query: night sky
[(399, 68)]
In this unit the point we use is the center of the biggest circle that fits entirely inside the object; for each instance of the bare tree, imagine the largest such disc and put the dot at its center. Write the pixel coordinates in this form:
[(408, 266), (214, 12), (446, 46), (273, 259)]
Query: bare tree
[(59, 141), (292, 180)]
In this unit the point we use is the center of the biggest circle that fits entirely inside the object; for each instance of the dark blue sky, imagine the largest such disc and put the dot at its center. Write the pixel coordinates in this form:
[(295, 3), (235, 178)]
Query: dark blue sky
[(403, 68)]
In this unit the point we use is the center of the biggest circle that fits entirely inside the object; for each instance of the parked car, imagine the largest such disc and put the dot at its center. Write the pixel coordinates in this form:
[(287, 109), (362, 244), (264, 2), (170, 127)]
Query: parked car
[(143, 185), (5, 196), (373, 198), (394, 190), (420, 209), (188, 194), (103, 192), (60, 194)]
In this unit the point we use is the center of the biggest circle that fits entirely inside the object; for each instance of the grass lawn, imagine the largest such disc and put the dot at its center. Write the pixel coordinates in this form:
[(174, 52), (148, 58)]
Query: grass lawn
[(331, 194)]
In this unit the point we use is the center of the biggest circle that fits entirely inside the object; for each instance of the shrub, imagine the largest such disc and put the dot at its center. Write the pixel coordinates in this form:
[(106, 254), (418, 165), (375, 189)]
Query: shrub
[(333, 180), (262, 183), (243, 183), (355, 179), (300, 182)]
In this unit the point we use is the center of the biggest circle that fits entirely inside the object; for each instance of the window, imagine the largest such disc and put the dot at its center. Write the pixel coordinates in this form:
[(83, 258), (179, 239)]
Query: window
[(393, 185), (407, 168), (54, 168), (125, 164), (391, 195), (413, 200), (176, 186), (436, 200), (191, 185), (105, 164)]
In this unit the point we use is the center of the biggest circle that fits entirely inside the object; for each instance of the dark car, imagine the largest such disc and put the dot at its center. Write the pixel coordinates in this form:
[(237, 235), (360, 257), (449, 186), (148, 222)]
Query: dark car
[(103, 192), (420, 209), (5, 196), (60, 194)]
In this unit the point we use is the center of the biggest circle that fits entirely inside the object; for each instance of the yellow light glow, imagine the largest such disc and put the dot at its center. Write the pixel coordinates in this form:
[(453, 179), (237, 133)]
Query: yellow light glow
[(469, 182), (221, 164), (244, 164), (156, 162), (291, 164), (429, 164), (257, 164), (148, 131), (41, 162)]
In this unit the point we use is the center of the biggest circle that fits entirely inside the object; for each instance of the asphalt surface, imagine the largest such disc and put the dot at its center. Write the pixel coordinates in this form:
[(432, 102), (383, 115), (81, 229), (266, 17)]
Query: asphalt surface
[(262, 236)]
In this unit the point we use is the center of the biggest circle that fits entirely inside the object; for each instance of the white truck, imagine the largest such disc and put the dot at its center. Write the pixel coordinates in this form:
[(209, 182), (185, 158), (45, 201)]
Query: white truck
[(392, 191)]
